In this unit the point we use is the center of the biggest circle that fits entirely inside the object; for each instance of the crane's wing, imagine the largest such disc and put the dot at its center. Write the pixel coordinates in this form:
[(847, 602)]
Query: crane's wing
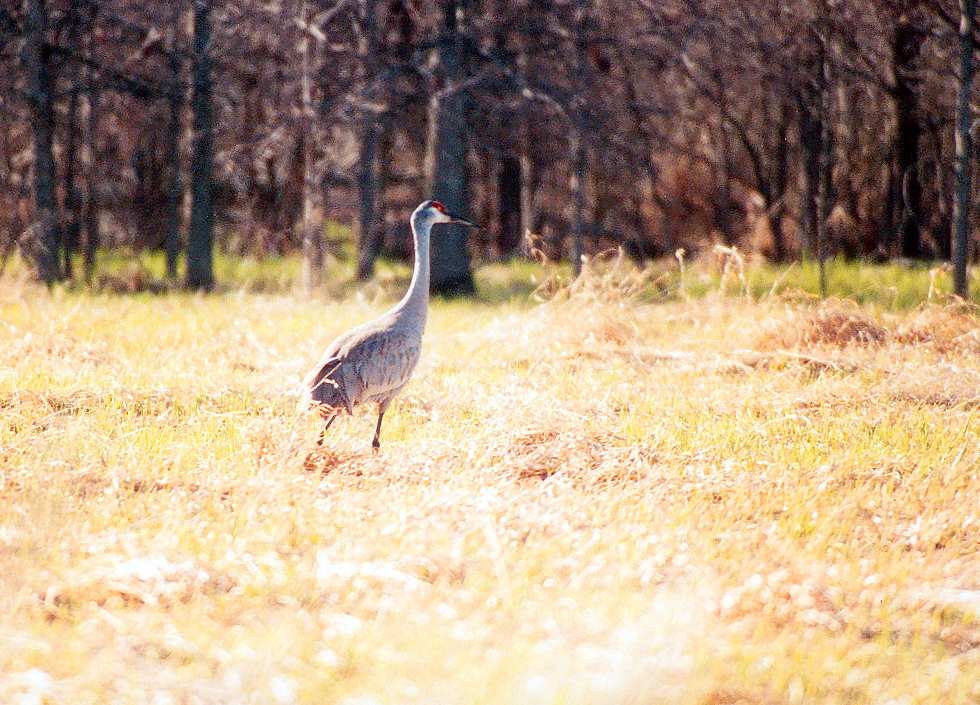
[(381, 362), (363, 364), (324, 387)]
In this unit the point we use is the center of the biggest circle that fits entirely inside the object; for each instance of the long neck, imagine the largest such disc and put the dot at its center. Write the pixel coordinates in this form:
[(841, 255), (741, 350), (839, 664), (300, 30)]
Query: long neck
[(416, 299)]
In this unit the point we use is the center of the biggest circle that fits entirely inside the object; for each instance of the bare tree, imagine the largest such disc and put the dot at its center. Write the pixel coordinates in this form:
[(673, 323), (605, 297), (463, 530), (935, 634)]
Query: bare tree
[(906, 48), (37, 61), (368, 232), (964, 148), (90, 215), (175, 104), (825, 159), (578, 147), (200, 240), (312, 234), (73, 203), (446, 173), (655, 125)]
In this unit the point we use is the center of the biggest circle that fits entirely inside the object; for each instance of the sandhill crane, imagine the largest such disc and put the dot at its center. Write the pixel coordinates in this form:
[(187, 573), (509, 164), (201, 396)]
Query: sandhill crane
[(371, 363)]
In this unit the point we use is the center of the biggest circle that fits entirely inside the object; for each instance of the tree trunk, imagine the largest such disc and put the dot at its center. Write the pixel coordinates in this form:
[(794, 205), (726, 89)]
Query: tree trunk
[(91, 211), (641, 135), (508, 208), (446, 175), (777, 196), (723, 192), (527, 194), (940, 189), (526, 163), (312, 234), (37, 62), (510, 205), (200, 240), (824, 196), (578, 146), (174, 185), (845, 146), (811, 132), (908, 44), (369, 235), (964, 151), (386, 156), (578, 199), (73, 199)]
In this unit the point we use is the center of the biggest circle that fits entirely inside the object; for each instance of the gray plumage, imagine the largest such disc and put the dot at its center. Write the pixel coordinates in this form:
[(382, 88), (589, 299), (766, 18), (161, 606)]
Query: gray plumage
[(373, 362)]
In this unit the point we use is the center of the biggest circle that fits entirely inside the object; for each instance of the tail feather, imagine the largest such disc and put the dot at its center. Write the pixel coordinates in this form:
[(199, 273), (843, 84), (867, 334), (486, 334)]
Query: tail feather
[(327, 392), (324, 392)]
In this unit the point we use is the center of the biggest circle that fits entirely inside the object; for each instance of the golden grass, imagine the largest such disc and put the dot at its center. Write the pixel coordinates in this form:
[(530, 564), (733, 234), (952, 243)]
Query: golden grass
[(591, 500)]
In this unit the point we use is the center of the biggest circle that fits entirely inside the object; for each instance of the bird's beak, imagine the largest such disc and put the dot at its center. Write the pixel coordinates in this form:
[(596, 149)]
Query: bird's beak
[(455, 219)]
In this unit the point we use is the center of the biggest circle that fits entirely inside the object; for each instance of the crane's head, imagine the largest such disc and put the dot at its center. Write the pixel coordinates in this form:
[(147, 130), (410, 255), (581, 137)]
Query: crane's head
[(436, 213)]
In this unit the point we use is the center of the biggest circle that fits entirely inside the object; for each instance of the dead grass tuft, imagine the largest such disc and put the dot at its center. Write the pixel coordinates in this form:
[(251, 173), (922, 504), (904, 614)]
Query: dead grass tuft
[(593, 459), (946, 329), (833, 323), (542, 454), (729, 696), (150, 580), (135, 280), (953, 328), (327, 459)]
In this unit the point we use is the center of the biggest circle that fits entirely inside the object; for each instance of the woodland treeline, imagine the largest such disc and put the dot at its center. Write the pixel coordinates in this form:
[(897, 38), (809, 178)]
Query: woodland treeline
[(810, 128)]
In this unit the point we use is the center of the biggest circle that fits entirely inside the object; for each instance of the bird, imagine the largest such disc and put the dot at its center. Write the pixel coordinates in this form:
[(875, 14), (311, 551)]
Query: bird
[(374, 361)]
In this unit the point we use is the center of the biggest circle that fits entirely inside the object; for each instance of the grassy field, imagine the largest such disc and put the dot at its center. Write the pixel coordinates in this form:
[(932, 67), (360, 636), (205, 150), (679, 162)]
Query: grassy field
[(645, 490), (894, 286)]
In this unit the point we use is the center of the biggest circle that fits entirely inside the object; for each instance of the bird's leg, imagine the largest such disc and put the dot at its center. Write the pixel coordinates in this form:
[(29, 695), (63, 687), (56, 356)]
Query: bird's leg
[(323, 433), (376, 443), (382, 408)]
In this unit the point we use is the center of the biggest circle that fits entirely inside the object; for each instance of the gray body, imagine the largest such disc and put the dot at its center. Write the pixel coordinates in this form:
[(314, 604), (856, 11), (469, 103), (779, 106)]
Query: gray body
[(370, 363), (373, 362)]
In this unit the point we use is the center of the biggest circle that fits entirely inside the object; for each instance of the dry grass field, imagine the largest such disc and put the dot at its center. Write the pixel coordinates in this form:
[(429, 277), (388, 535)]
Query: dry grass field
[(592, 500)]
